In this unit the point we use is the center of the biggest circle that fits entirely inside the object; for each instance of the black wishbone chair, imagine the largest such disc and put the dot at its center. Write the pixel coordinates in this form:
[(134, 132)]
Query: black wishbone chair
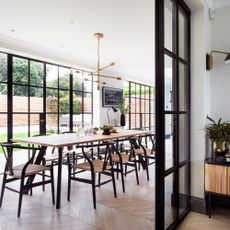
[(24, 171), (99, 165), (144, 152), (124, 158)]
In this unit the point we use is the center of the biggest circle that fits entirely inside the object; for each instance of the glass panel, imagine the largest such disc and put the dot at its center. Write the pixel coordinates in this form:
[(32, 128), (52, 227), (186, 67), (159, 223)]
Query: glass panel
[(77, 102), (34, 124), (169, 142), (147, 106), (147, 120), (138, 105), (138, 90), (133, 90), (20, 125), (64, 101), (20, 98), (20, 70), (51, 100), (137, 121), (183, 141), (182, 87), (143, 123), (170, 204), (3, 128), (3, 67), (143, 106), (87, 103), (87, 82), (183, 189), (87, 119), (133, 105), (77, 121), (168, 24), (182, 34), (36, 73), (64, 78), (77, 80), (133, 121), (51, 123), (36, 99), (64, 123), (3, 97), (168, 83), (51, 76)]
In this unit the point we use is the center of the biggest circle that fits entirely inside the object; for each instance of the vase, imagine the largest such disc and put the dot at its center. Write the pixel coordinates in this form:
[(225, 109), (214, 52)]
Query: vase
[(219, 148), (122, 120), (106, 132)]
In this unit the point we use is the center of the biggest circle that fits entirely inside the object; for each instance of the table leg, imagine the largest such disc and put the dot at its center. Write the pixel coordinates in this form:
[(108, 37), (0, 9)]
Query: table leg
[(59, 178)]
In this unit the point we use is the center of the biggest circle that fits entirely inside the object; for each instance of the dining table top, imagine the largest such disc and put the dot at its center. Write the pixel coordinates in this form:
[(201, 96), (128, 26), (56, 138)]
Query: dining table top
[(68, 139)]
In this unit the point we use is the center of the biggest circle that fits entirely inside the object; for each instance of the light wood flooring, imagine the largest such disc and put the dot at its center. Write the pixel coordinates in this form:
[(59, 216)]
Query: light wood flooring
[(131, 210)]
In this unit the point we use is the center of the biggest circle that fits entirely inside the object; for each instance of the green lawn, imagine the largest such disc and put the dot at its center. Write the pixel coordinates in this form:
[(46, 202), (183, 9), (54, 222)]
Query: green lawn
[(3, 137)]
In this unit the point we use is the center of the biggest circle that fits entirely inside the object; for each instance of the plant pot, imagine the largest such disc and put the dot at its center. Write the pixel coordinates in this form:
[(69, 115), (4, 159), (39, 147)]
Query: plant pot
[(122, 120), (219, 148), (106, 132)]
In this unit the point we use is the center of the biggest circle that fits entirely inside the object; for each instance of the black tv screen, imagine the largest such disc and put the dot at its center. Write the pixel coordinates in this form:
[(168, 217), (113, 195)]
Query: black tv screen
[(111, 96)]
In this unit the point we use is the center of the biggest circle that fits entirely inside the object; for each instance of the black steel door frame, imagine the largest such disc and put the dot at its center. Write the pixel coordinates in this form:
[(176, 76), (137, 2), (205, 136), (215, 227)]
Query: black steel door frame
[(161, 173)]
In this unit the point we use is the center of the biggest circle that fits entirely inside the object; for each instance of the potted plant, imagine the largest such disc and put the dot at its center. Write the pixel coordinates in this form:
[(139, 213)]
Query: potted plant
[(123, 109), (219, 133), (106, 129)]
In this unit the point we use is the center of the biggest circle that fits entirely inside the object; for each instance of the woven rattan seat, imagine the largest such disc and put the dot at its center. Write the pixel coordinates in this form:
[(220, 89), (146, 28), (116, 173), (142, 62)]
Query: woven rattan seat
[(30, 170), (149, 152), (125, 158), (97, 164)]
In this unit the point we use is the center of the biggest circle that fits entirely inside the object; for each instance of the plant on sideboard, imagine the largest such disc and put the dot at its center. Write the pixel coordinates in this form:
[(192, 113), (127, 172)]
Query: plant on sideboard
[(219, 133)]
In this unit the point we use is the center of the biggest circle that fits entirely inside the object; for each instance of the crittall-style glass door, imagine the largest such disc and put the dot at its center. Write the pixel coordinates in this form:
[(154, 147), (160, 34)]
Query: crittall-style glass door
[(172, 112)]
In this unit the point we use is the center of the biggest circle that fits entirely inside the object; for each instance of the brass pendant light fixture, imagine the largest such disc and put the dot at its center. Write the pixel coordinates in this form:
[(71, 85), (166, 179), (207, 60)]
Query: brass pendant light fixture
[(97, 73)]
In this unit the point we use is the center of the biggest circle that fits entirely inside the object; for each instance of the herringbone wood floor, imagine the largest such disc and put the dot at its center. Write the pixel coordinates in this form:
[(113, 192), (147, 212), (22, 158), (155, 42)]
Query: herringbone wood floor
[(131, 210)]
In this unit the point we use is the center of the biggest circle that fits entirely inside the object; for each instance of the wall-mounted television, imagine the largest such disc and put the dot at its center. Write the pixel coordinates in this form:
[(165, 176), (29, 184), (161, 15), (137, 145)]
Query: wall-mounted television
[(111, 96)]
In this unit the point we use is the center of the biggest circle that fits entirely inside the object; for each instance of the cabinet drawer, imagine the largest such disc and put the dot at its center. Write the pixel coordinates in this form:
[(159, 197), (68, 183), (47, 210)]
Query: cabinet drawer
[(217, 179)]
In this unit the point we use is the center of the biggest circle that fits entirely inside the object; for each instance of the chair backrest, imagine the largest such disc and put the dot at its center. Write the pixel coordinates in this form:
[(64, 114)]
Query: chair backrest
[(8, 149), (109, 146)]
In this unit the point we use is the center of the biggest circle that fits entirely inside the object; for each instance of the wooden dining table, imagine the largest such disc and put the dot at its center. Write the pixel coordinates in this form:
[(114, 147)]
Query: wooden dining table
[(60, 141)]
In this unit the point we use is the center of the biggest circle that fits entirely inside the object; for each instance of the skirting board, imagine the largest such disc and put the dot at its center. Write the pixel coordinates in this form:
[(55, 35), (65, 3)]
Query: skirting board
[(198, 205)]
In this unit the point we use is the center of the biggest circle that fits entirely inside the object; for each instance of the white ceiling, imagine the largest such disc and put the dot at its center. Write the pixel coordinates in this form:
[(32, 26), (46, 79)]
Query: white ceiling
[(64, 31), (220, 3)]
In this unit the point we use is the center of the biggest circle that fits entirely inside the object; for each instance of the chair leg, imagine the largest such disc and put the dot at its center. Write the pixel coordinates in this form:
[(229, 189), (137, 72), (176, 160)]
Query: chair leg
[(20, 196), (122, 177), (99, 180), (117, 170), (147, 167), (69, 183), (93, 189), (3, 189), (136, 171), (126, 167), (52, 184), (31, 189), (114, 183)]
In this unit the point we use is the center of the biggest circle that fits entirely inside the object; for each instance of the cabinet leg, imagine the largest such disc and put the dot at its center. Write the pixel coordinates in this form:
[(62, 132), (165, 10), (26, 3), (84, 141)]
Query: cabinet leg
[(209, 205)]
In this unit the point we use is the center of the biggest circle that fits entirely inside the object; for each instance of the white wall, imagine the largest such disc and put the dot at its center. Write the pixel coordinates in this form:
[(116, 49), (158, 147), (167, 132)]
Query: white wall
[(220, 74), (200, 95)]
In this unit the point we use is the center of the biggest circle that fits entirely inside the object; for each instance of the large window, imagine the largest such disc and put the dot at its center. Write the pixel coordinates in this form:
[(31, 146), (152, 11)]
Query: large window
[(141, 100), (41, 98)]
